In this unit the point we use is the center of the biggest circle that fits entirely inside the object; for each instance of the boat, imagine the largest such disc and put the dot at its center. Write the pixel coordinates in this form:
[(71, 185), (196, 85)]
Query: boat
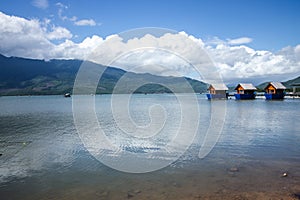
[(67, 95)]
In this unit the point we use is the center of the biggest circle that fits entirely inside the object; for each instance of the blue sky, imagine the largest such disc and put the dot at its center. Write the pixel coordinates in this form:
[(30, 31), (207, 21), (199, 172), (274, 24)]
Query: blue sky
[(252, 40), (271, 24)]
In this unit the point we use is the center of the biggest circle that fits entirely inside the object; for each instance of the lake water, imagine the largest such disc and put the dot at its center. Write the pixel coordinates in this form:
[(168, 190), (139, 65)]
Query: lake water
[(43, 156)]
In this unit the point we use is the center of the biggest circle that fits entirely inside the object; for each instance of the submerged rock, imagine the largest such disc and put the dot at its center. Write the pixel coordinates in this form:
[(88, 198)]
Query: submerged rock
[(175, 184), (1, 154), (102, 194), (296, 195), (234, 169), (132, 193), (137, 191)]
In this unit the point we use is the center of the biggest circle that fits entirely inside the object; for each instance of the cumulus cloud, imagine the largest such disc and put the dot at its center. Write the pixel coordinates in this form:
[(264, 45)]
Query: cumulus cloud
[(166, 54), (42, 4), (242, 62), (59, 33), (28, 38), (22, 37), (85, 22), (170, 54), (71, 50)]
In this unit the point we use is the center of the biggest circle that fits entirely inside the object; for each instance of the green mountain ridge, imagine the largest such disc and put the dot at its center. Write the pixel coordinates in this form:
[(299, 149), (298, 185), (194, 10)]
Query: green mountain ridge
[(288, 84), (21, 76)]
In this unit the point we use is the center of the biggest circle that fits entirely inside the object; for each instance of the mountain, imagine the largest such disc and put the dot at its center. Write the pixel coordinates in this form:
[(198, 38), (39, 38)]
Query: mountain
[(261, 86), (287, 84), (20, 76)]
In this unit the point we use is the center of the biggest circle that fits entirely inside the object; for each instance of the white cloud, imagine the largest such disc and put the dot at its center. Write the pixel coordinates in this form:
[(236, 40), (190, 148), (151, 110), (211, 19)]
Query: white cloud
[(28, 38), (42, 4), (85, 22), (33, 39), (238, 41), (242, 62), (22, 37), (61, 5), (77, 22), (71, 50), (59, 33), (61, 8)]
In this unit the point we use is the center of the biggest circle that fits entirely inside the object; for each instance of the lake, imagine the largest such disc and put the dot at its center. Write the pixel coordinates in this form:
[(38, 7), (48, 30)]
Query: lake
[(43, 156)]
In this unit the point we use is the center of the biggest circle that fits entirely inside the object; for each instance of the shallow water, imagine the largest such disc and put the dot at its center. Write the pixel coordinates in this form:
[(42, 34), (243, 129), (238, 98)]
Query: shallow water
[(44, 158)]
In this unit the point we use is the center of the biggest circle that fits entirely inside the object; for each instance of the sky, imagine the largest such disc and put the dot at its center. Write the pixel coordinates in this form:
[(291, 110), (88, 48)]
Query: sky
[(253, 40)]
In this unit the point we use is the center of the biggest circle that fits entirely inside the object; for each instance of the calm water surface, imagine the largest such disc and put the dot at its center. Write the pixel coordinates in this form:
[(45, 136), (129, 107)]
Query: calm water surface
[(44, 158)]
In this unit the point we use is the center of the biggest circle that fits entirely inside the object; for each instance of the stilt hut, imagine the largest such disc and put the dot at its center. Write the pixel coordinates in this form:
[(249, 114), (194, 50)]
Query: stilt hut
[(274, 90), (217, 91), (245, 91)]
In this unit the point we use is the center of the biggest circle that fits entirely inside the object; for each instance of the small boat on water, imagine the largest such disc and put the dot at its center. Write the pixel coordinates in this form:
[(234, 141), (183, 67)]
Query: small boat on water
[(67, 95), (245, 91), (274, 91)]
